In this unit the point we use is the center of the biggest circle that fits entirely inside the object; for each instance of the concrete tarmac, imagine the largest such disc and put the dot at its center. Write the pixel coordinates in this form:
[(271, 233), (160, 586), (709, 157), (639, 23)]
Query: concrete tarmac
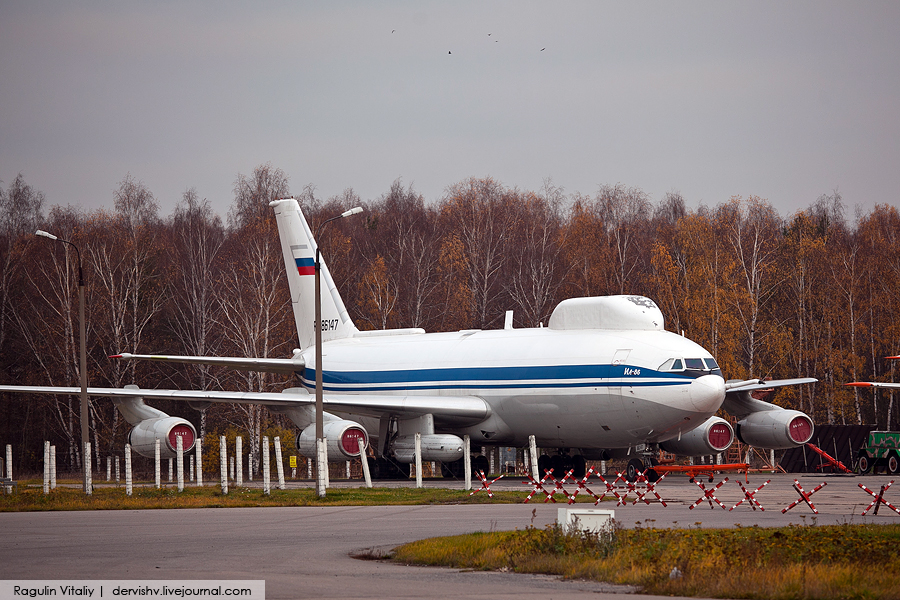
[(304, 552)]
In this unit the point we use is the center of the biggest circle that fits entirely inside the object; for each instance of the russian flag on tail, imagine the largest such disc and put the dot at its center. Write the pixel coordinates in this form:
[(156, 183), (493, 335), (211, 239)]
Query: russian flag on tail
[(306, 266)]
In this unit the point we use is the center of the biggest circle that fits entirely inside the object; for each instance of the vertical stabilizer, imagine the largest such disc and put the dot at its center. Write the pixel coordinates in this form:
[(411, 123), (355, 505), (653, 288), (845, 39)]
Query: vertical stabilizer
[(299, 249)]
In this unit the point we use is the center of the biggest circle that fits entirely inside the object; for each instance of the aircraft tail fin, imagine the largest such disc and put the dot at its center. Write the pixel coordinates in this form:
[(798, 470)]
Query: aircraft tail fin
[(299, 249)]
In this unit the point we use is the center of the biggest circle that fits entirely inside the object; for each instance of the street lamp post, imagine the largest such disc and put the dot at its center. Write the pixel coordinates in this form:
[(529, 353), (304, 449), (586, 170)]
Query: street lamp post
[(321, 462), (85, 458)]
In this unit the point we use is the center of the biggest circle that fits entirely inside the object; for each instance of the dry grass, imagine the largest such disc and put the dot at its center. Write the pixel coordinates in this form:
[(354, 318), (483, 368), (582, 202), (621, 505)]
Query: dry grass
[(828, 562)]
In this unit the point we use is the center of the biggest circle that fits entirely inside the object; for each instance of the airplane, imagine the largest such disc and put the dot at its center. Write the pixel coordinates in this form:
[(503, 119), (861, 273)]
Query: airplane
[(876, 384), (602, 380)]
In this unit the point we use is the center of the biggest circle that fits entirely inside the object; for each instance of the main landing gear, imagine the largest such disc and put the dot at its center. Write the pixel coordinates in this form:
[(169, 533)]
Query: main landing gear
[(562, 464), (641, 465)]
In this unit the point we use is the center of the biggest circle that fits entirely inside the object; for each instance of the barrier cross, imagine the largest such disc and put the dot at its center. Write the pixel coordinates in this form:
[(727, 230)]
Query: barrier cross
[(649, 487), (558, 487), (582, 486), (879, 499), (804, 496), (538, 486), (709, 494), (749, 496), (485, 485), (610, 489)]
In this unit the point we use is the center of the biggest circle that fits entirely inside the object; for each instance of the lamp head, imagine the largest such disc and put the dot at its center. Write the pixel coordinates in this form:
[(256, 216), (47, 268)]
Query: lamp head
[(352, 211), (45, 234)]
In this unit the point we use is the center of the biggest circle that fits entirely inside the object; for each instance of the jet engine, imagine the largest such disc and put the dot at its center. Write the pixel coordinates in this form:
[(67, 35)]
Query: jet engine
[(341, 436), (775, 429), (435, 446), (166, 429), (712, 436)]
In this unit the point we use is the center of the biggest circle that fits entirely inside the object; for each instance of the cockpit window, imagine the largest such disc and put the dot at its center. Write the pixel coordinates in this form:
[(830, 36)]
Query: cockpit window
[(673, 364), (692, 367), (694, 364)]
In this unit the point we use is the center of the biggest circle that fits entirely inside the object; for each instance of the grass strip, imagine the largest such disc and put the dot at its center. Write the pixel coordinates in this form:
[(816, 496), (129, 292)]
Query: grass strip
[(796, 562), (148, 497)]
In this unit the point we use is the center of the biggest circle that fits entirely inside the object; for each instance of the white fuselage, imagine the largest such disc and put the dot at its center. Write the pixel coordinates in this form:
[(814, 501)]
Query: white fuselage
[(573, 388)]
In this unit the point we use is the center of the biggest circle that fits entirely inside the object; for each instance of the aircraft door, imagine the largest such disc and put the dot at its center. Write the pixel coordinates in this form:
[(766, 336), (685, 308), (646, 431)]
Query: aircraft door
[(616, 399)]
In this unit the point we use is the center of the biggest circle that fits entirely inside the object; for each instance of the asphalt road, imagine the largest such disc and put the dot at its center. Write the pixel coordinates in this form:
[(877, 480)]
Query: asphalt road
[(307, 552)]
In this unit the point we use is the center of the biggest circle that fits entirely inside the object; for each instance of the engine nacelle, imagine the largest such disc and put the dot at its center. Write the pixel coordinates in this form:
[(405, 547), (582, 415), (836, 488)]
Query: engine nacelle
[(341, 437), (166, 429), (714, 435), (435, 446), (775, 429)]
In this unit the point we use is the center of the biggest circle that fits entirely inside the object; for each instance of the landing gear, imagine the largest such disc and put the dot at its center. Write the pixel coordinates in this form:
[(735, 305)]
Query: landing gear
[(640, 465), (562, 464), (386, 468)]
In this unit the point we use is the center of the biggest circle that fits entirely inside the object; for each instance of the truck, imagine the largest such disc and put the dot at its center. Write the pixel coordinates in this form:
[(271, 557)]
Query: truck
[(882, 450)]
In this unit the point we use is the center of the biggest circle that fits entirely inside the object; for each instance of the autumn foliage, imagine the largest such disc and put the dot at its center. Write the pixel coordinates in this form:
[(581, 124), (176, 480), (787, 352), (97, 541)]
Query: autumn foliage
[(774, 296)]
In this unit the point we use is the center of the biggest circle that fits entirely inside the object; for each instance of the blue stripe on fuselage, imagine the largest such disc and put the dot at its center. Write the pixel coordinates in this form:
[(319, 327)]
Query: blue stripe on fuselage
[(535, 377)]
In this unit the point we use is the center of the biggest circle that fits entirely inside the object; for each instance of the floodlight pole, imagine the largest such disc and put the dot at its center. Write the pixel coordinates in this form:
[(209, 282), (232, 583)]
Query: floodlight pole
[(85, 459), (321, 463)]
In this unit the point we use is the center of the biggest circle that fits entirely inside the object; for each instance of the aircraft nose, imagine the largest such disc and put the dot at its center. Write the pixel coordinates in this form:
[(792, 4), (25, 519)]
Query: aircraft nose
[(707, 393)]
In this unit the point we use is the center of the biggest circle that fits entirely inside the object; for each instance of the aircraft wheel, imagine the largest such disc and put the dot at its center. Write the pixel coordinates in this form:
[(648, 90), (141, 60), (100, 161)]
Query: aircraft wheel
[(651, 475), (558, 464), (863, 464), (543, 464), (579, 466), (452, 470), (635, 466), (893, 464), (480, 463)]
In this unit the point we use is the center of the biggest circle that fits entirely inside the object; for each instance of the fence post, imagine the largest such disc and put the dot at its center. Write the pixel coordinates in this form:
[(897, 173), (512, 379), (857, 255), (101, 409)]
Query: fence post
[(279, 465), (9, 461), (365, 462), (87, 468), (156, 460), (467, 462), (52, 467), (108, 469), (128, 479), (533, 457), (418, 459), (223, 463), (239, 460), (266, 474), (179, 453), (199, 444), (46, 467)]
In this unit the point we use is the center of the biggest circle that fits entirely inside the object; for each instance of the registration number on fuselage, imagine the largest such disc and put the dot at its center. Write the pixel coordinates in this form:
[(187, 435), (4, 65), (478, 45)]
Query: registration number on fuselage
[(328, 324)]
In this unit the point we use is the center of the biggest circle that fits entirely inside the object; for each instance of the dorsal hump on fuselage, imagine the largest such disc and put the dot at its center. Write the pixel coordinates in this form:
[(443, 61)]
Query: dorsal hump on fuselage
[(633, 313)]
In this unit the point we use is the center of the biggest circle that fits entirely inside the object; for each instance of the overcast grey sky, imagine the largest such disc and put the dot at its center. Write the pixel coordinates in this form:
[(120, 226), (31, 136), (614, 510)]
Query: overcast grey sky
[(782, 100)]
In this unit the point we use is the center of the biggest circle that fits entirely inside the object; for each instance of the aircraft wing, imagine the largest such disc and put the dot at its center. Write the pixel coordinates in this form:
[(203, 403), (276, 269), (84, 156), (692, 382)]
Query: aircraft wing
[(269, 365), (740, 403), (874, 383), (457, 408), (759, 384)]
